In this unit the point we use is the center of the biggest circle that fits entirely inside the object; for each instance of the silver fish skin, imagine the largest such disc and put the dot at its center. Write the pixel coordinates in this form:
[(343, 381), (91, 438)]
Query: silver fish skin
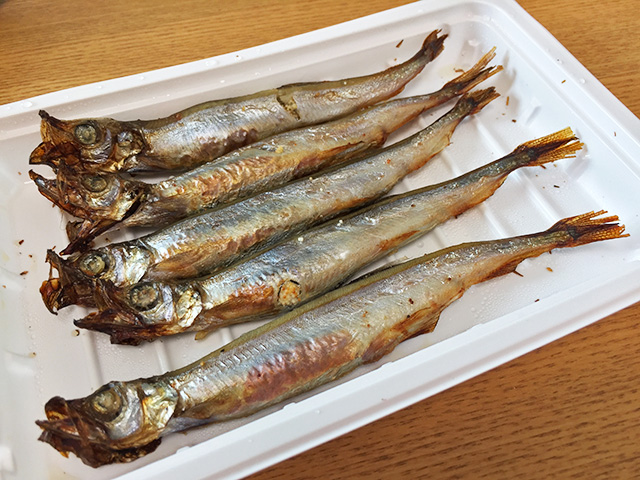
[(106, 200), (299, 351), (298, 270), (271, 163), (203, 132), (200, 244)]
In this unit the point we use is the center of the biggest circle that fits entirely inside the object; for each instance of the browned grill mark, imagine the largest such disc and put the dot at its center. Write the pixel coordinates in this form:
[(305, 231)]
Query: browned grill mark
[(249, 300), (394, 242), (420, 321), (298, 366)]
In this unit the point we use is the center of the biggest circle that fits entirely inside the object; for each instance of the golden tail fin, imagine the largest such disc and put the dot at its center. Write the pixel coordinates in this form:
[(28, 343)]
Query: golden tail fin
[(558, 145), (475, 75), (473, 102), (586, 228)]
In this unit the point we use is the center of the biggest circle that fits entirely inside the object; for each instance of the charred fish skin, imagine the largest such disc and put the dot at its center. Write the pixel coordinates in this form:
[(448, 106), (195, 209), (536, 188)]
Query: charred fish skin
[(105, 200), (200, 244), (299, 351), (296, 271), (201, 133)]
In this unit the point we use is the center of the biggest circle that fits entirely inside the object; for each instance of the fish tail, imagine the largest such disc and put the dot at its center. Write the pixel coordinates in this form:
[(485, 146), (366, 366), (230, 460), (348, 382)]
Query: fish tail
[(472, 102), (475, 75), (558, 145), (566, 233), (431, 47), (586, 228)]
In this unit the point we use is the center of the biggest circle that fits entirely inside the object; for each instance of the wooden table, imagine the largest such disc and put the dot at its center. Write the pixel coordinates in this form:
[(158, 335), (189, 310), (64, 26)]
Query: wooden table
[(571, 408)]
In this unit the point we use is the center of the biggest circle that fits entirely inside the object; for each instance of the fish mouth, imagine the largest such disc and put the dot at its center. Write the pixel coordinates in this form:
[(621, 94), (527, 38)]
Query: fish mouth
[(68, 430), (121, 198), (48, 188), (70, 288), (55, 154), (45, 154), (96, 221), (98, 214), (81, 234), (115, 318), (115, 324), (53, 190)]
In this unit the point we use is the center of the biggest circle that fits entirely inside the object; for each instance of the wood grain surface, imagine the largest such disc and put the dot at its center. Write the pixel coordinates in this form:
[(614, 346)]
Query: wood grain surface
[(570, 409)]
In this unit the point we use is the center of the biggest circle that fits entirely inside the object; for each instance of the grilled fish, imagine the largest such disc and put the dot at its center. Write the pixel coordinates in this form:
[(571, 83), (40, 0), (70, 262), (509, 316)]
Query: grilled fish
[(203, 132), (299, 351), (296, 271), (104, 200), (200, 244)]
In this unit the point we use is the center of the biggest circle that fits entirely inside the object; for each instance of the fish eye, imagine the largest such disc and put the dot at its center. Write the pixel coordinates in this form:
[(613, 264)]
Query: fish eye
[(94, 183), (94, 263), (86, 133), (106, 404), (144, 296)]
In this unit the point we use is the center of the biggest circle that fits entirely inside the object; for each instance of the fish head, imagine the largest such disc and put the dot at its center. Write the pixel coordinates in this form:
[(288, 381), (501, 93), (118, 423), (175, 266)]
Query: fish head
[(100, 143), (130, 315), (119, 422), (91, 195), (77, 276)]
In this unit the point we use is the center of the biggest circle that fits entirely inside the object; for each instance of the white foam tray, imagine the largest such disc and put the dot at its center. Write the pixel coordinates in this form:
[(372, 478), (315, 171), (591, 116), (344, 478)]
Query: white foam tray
[(493, 323)]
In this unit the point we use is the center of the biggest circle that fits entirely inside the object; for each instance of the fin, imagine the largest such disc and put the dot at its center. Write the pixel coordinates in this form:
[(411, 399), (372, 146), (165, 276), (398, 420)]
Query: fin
[(473, 102), (202, 334), (475, 75), (558, 145), (431, 47), (579, 230), (429, 325), (506, 269), (586, 228)]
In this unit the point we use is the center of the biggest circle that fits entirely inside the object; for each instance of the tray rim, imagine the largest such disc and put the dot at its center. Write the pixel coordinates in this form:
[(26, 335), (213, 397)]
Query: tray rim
[(603, 99)]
